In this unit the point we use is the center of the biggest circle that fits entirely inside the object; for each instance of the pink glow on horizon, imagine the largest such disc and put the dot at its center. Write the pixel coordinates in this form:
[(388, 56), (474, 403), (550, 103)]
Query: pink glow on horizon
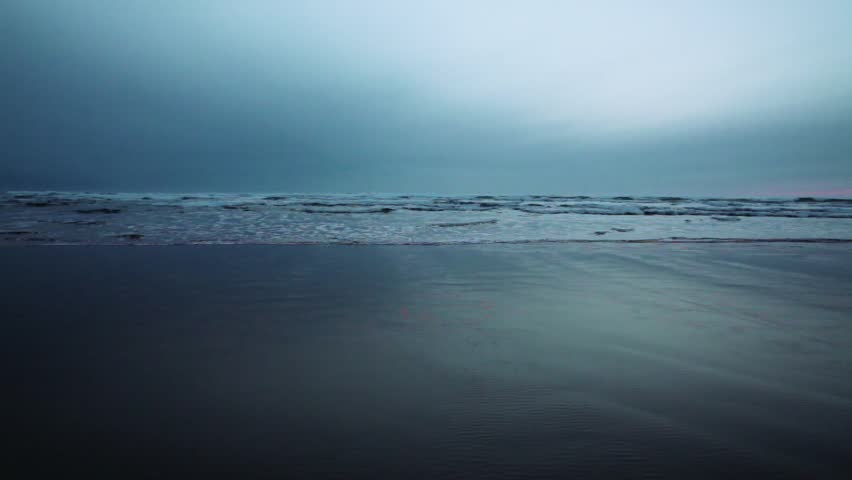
[(826, 193)]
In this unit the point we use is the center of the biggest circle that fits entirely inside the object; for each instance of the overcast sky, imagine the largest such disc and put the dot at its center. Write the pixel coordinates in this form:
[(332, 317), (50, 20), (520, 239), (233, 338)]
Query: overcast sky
[(597, 97)]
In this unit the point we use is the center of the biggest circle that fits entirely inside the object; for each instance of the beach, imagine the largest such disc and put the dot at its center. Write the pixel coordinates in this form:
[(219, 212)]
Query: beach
[(575, 360)]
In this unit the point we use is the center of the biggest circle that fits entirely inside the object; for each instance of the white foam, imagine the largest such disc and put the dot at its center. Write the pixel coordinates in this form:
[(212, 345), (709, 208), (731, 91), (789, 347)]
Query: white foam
[(362, 218)]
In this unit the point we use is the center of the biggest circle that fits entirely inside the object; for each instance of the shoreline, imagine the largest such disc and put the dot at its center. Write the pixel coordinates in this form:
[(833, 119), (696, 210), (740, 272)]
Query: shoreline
[(661, 241)]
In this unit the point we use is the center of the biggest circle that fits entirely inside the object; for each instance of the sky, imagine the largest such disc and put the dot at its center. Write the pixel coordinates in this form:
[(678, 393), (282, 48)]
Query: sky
[(603, 97)]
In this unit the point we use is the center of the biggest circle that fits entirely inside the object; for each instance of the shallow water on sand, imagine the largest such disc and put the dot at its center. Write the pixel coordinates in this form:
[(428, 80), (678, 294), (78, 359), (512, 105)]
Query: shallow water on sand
[(486, 361)]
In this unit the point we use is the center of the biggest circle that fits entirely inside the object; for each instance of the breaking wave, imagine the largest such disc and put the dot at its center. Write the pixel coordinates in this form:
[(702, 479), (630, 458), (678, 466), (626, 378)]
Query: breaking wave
[(215, 218)]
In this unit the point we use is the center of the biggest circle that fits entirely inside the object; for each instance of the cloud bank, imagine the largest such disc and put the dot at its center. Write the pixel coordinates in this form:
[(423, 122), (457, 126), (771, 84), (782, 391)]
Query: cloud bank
[(452, 97)]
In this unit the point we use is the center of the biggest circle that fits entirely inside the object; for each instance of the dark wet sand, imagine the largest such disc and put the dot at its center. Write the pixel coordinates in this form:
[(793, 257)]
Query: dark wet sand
[(504, 361)]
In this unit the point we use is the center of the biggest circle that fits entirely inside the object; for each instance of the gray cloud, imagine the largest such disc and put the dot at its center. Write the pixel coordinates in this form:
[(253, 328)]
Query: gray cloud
[(506, 97)]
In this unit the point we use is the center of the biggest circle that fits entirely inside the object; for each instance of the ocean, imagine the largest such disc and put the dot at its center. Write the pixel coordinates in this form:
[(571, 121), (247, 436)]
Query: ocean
[(168, 219)]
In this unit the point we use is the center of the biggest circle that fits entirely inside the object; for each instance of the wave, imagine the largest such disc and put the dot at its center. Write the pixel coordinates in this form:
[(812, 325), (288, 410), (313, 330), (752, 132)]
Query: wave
[(371, 204), (145, 218), (670, 240), (466, 224)]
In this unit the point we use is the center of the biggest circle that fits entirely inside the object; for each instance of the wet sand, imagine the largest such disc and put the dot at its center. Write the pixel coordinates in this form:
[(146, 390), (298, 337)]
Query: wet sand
[(500, 361)]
